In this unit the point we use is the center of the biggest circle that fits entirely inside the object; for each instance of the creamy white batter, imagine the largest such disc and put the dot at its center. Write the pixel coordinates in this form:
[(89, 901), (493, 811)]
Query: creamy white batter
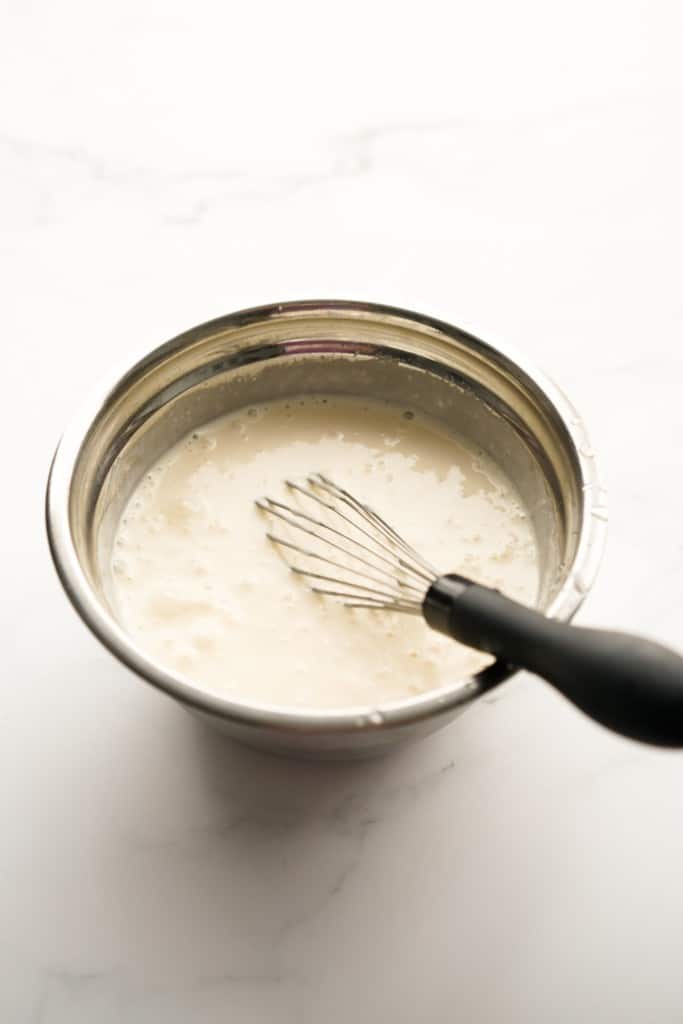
[(202, 591)]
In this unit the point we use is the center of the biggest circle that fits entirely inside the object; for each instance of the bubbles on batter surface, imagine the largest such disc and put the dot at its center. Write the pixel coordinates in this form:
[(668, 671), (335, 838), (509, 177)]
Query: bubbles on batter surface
[(200, 439), (203, 540)]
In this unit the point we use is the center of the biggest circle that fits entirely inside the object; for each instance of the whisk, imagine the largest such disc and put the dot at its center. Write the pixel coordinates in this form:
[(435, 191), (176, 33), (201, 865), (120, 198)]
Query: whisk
[(347, 552)]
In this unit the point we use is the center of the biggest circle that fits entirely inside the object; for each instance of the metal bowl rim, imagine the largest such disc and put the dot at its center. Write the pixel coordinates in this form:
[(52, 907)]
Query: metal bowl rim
[(568, 600)]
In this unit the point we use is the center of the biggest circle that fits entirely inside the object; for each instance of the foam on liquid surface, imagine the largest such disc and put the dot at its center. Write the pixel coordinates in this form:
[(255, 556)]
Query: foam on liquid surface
[(202, 591)]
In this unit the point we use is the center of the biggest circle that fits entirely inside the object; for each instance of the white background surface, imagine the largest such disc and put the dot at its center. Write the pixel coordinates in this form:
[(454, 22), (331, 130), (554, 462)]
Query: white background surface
[(515, 168)]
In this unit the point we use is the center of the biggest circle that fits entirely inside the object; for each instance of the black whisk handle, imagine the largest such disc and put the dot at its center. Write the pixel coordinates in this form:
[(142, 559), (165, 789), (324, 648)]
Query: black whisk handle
[(628, 684)]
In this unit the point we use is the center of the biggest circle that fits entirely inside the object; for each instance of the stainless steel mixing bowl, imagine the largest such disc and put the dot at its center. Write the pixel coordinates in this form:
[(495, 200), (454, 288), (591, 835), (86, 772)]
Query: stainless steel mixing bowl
[(504, 406)]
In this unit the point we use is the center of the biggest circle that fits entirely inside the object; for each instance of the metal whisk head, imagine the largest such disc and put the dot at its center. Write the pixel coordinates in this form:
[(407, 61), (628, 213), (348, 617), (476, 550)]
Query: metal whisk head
[(345, 550)]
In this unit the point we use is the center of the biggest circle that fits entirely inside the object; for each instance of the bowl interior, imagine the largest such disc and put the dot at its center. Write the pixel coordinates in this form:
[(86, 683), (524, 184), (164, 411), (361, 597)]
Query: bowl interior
[(477, 391)]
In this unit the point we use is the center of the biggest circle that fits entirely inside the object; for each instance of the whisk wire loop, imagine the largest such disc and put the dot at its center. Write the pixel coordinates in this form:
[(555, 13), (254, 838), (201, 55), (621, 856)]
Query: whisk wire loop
[(380, 571)]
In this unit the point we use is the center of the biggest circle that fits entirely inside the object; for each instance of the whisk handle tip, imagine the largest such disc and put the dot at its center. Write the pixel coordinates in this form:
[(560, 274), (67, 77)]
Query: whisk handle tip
[(631, 685)]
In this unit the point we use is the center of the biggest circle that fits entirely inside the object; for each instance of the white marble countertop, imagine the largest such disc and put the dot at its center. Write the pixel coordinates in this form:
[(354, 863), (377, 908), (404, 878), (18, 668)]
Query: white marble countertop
[(514, 168)]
